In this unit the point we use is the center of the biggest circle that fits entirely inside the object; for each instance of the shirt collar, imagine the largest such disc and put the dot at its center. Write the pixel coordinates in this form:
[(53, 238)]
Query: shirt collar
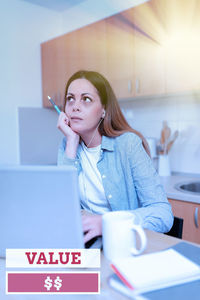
[(107, 143)]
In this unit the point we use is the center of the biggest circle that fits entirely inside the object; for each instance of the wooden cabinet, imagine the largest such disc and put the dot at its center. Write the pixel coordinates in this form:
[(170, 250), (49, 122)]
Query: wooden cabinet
[(52, 71), (131, 62), (115, 47), (90, 50), (149, 60), (181, 43), (148, 67), (61, 57), (190, 213), (150, 49), (135, 59), (120, 55)]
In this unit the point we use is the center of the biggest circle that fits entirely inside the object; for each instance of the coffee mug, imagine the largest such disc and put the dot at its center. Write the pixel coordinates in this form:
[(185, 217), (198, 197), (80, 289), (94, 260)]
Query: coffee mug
[(119, 230)]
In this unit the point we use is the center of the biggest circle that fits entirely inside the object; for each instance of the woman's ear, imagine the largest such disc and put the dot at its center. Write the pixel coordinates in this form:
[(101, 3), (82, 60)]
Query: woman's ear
[(103, 114)]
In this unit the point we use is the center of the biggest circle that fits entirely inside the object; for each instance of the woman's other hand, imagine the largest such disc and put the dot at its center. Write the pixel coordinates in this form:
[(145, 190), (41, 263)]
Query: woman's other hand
[(92, 225)]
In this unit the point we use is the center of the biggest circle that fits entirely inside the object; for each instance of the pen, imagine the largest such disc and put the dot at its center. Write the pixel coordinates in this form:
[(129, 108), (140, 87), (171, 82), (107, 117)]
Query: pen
[(54, 105)]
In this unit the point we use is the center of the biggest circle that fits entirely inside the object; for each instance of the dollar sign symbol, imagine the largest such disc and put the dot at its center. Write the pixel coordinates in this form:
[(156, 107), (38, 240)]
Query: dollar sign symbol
[(48, 283), (57, 283)]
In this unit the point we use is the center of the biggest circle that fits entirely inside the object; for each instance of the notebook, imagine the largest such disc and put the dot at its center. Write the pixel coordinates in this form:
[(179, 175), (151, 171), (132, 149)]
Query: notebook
[(39, 208), (152, 272)]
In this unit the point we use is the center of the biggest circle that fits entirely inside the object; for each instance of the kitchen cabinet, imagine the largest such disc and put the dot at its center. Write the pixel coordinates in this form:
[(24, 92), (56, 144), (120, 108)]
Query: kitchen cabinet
[(182, 67), (52, 71), (167, 47), (135, 61), (120, 55), (148, 67), (150, 49), (61, 57), (89, 51), (105, 47), (181, 43), (190, 213), (131, 62), (149, 59)]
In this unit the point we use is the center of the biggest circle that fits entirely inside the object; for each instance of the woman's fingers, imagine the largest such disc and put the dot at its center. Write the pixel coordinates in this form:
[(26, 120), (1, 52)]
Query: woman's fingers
[(89, 235), (92, 226), (62, 119), (63, 125)]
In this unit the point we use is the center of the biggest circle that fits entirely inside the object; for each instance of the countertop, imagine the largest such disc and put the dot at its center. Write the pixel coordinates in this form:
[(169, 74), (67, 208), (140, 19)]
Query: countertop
[(170, 181)]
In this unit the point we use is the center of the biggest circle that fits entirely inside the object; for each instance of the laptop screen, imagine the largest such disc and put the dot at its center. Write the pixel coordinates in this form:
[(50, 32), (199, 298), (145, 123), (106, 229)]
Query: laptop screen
[(39, 208)]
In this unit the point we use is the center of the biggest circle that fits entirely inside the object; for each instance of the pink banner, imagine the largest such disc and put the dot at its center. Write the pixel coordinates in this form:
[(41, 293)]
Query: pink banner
[(45, 282)]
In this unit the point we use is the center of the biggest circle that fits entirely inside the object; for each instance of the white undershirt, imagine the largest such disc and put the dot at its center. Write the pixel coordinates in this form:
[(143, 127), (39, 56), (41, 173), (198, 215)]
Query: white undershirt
[(92, 192)]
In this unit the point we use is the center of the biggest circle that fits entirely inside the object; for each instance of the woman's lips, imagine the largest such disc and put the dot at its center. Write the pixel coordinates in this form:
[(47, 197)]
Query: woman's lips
[(76, 119)]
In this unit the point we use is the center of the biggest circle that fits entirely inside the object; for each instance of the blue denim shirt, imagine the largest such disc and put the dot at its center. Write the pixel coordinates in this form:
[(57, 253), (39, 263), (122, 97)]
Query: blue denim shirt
[(129, 179)]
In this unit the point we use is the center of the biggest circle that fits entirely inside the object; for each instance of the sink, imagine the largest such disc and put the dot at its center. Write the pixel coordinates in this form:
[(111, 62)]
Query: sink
[(189, 187)]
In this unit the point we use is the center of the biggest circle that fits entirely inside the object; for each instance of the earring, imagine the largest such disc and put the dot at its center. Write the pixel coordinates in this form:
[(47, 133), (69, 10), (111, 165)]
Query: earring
[(103, 115)]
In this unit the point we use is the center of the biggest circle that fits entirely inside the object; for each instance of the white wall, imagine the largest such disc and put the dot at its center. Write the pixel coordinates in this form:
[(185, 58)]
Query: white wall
[(182, 111), (22, 28)]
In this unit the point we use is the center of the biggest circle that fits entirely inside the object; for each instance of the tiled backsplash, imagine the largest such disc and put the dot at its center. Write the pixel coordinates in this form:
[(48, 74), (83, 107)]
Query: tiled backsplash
[(182, 113)]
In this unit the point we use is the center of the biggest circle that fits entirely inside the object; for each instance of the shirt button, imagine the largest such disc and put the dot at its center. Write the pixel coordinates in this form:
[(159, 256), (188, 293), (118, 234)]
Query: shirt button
[(110, 196), (76, 162), (103, 176)]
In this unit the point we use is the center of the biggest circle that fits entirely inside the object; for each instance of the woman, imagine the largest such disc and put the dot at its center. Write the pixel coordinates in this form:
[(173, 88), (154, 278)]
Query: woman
[(113, 162)]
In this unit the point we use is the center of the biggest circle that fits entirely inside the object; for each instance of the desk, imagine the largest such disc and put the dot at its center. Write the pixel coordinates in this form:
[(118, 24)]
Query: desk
[(156, 242)]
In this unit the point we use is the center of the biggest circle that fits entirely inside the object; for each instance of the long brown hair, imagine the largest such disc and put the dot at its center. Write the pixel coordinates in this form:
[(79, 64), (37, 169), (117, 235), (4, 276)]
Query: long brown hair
[(114, 123)]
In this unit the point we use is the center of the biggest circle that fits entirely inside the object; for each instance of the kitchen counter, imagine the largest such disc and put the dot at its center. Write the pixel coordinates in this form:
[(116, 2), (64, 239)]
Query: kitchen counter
[(170, 181)]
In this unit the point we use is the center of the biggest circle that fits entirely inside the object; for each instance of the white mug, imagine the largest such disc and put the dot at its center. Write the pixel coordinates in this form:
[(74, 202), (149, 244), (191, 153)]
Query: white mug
[(119, 230)]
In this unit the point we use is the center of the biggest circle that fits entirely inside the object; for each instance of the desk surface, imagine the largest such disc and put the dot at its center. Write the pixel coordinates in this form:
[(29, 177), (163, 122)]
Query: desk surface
[(156, 242)]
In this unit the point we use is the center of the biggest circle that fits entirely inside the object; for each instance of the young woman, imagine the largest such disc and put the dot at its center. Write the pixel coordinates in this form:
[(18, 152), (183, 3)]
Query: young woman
[(113, 161)]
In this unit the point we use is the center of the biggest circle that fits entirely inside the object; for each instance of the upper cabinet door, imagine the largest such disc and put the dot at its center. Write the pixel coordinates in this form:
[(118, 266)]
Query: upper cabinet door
[(52, 75), (182, 45), (61, 57), (120, 48), (89, 53), (167, 46), (148, 53), (148, 67), (135, 65)]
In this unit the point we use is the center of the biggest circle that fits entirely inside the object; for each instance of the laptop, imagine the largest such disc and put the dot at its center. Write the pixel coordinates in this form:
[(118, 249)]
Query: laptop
[(40, 208)]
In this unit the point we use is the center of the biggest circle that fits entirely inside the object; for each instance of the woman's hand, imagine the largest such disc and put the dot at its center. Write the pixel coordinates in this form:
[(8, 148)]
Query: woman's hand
[(63, 125), (92, 225), (72, 137)]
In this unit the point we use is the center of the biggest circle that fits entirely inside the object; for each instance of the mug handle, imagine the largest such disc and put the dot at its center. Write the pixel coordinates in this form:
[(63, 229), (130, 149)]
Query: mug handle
[(143, 240)]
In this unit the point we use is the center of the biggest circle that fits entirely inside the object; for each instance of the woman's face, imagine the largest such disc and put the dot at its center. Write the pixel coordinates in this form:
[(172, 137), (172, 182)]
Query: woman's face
[(83, 106)]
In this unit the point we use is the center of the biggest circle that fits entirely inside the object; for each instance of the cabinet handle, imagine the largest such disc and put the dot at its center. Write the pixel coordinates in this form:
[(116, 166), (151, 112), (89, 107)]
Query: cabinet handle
[(137, 86), (130, 86), (196, 217)]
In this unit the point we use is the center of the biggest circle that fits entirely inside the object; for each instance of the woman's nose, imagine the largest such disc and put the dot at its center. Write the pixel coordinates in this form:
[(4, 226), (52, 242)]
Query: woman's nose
[(76, 106)]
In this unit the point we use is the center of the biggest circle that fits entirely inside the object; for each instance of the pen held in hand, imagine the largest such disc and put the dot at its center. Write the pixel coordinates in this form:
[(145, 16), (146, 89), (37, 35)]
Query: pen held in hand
[(54, 105)]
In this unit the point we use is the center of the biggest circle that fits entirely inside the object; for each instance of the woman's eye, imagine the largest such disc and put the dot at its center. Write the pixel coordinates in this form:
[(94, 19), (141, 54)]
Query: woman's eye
[(87, 99), (70, 99)]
